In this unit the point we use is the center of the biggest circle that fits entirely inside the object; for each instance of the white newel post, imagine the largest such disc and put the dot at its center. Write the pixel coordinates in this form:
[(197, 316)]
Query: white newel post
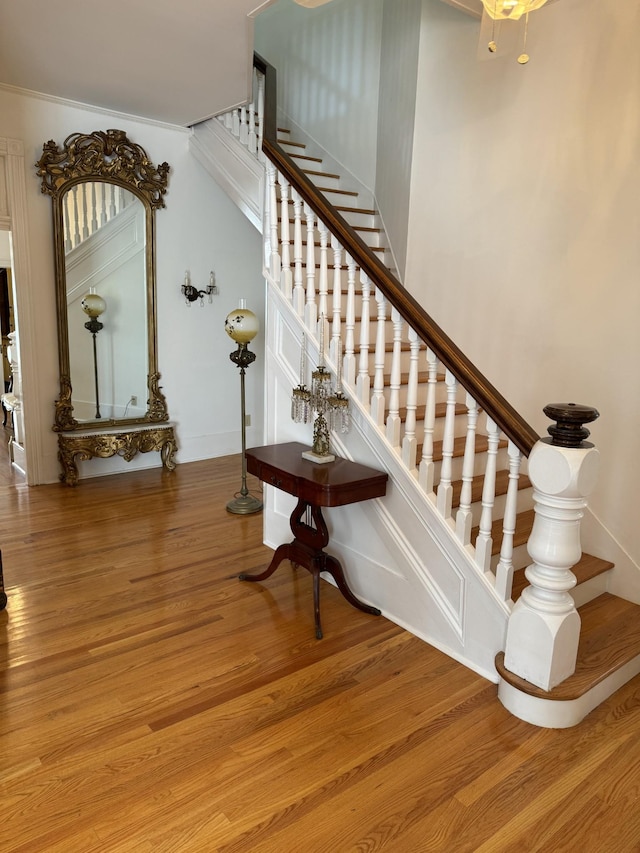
[(544, 626)]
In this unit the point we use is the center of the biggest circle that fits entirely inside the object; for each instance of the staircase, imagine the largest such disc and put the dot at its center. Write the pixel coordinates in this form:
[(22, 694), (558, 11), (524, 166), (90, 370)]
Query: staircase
[(460, 464)]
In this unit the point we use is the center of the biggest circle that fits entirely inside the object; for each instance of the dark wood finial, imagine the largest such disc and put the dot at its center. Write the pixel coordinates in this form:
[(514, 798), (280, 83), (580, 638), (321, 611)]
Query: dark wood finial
[(568, 431)]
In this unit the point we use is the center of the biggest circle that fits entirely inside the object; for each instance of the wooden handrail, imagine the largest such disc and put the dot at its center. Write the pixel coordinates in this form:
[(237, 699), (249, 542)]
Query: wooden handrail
[(487, 397)]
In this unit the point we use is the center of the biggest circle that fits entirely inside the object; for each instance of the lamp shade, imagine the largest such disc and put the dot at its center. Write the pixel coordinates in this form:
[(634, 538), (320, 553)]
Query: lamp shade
[(512, 10), (241, 324), (93, 305)]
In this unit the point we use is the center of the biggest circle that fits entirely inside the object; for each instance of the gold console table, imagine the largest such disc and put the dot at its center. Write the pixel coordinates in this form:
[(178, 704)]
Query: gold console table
[(74, 447)]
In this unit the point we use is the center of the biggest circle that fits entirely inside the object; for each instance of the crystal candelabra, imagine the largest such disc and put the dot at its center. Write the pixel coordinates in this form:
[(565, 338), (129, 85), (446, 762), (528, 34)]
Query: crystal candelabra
[(323, 399)]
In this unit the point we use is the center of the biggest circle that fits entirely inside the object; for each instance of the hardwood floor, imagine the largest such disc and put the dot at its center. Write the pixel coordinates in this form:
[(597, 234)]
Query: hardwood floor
[(152, 702)]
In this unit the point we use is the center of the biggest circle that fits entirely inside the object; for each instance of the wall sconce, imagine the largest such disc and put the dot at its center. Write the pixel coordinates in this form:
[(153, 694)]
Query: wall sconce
[(192, 293)]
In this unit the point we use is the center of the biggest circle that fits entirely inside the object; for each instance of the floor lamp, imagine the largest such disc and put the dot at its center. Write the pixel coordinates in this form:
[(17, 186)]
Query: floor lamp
[(93, 306), (242, 326)]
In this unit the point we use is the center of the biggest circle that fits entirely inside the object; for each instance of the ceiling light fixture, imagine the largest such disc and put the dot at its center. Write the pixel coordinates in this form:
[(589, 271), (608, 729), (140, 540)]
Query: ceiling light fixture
[(510, 10), (311, 4)]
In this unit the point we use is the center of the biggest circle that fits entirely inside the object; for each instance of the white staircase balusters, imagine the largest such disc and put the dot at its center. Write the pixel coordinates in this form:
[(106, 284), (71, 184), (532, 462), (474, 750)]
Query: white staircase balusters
[(266, 218), (104, 215), (464, 521), (393, 413), (76, 216), (409, 441), (504, 569), (252, 137), (363, 384), (84, 211), (286, 277), (336, 335), (267, 215), (484, 541), (235, 123), (94, 207), (260, 79), (426, 471), (245, 115), (323, 281), (274, 262), (377, 398), (349, 366), (445, 489), (310, 308), (244, 127), (68, 239), (298, 286), (227, 118), (112, 200)]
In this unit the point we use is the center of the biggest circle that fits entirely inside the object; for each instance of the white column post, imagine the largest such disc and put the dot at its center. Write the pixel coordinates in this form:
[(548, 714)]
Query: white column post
[(544, 626)]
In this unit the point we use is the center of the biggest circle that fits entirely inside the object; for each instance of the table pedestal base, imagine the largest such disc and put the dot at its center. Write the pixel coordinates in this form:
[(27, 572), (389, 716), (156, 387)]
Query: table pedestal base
[(307, 550)]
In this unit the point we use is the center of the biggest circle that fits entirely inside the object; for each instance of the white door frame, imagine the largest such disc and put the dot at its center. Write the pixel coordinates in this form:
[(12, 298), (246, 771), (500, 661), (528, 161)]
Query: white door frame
[(15, 220)]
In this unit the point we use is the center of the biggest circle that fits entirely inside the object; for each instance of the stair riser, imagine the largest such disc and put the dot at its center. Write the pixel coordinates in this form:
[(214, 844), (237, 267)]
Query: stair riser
[(591, 589), (525, 502), (521, 558), (479, 464)]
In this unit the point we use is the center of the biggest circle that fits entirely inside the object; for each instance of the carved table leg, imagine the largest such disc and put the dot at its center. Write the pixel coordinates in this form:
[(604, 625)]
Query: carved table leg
[(306, 550), (166, 453)]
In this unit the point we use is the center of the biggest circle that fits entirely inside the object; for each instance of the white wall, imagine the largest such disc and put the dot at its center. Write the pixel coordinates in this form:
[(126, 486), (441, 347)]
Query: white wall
[(396, 116), (525, 215), (341, 43), (200, 230)]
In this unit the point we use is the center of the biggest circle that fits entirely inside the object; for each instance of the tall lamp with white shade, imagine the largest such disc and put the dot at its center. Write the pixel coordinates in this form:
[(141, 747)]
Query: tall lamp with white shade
[(242, 326)]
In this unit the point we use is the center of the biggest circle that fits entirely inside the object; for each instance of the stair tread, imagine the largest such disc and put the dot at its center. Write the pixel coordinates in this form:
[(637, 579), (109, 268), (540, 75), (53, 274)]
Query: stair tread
[(337, 190), (502, 483), (369, 229), (609, 638), (362, 210), (586, 568), (293, 143), (305, 157), (319, 174)]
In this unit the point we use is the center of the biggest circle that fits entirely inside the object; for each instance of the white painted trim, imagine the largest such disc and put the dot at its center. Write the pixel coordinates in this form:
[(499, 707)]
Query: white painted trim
[(240, 174), (21, 266), (79, 105), (558, 714)]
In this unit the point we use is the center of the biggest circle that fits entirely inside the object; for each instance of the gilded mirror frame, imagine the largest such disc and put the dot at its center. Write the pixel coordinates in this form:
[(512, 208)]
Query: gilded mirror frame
[(111, 158)]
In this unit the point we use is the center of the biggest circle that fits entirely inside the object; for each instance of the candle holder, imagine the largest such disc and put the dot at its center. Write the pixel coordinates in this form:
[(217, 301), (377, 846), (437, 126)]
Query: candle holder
[(323, 403)]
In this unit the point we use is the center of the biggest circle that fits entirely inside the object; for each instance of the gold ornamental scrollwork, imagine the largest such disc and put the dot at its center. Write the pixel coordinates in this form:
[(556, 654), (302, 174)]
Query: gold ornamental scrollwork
[(157, 404), (64, 408), (80, 448), (109, 155)]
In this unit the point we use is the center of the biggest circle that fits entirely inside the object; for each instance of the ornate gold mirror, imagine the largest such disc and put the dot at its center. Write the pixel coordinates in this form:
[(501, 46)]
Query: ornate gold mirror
[(105, 191)]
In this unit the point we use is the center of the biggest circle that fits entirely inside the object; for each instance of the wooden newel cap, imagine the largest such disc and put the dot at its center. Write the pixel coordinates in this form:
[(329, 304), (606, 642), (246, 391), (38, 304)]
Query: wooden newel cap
[(568, 431)]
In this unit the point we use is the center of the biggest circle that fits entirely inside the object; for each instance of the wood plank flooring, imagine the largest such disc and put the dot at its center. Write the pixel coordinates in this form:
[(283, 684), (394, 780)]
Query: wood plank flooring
[(152, 702)]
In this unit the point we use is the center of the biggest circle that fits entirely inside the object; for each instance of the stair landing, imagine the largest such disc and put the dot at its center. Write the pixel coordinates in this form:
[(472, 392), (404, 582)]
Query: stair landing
[(608, 657)]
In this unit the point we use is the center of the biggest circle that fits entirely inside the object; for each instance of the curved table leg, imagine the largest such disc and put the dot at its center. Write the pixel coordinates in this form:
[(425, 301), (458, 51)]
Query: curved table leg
[(306, 550), (281, 553), (334, 568)]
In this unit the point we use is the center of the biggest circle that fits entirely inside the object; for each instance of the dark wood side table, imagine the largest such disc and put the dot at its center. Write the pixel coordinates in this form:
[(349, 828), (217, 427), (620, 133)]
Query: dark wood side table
[(330, 484)]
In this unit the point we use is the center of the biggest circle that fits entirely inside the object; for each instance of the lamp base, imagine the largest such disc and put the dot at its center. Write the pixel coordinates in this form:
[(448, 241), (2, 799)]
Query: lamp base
[(315, 457), (244, 505)]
